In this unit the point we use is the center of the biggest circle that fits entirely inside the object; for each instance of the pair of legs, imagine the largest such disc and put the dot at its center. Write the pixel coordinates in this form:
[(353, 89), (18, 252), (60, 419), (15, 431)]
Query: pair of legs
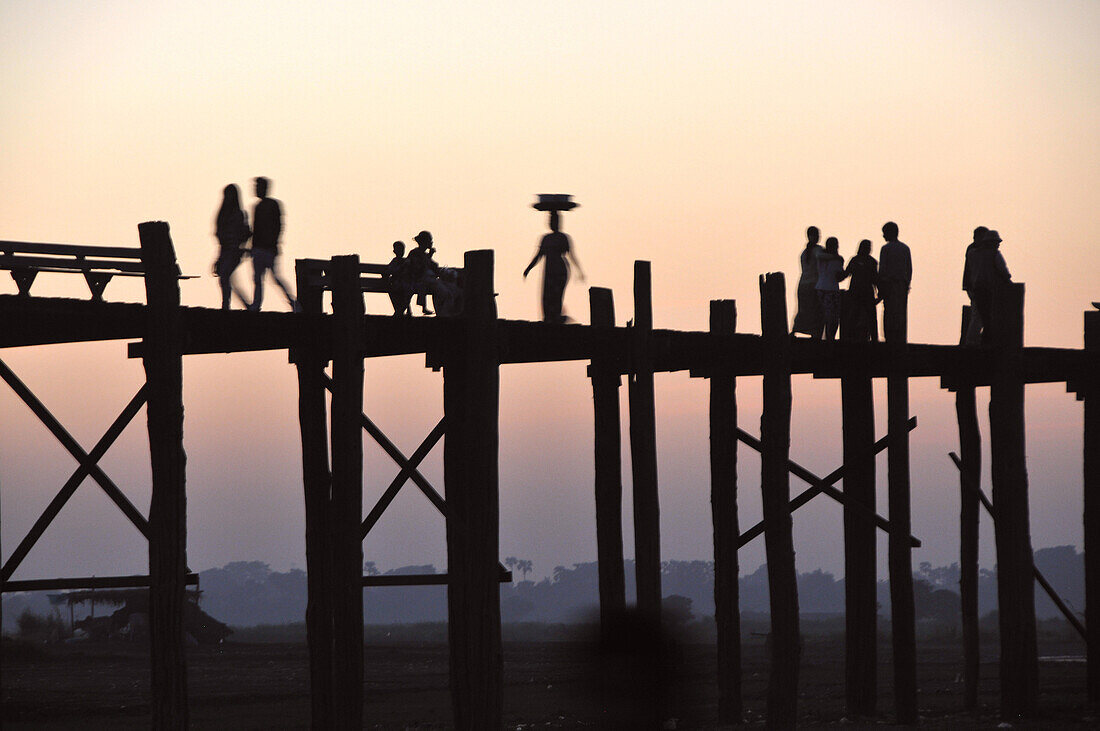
[(262, 262), (228, 261), (808, 319), (895, 303), (830, 310)]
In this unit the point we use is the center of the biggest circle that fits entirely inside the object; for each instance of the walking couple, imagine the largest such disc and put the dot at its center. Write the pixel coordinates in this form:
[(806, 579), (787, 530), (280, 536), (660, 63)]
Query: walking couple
[(232, 231)]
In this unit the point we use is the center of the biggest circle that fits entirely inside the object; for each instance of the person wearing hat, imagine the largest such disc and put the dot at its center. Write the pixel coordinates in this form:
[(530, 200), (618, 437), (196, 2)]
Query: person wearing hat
[(988, 271), (422, 271), (974, 325)]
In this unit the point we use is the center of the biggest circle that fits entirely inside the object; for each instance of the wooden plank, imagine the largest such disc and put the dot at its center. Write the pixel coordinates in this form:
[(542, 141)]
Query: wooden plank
[(122, 252), (1040, 579), (347, 493), (822, 485), (409, 471), (900, 557), (310, 362), (723, 502), (1091, 489), (168, 505), (860, 547), (45, 321), (92, 582), (775, 438), (970, 475), (74, 481), (471, 393), (44, 263), (94, 470), (643, 453), (607, 448), (1019, 665), (42, 320), (407, 466)]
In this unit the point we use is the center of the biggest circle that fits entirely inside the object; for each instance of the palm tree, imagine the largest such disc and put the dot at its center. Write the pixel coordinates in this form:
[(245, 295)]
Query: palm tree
[(525, 566), (370, 568), (511, 562)]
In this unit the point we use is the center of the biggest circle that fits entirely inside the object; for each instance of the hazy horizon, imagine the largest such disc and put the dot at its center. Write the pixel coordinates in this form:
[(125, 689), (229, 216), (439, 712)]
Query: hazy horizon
[(703, 137)]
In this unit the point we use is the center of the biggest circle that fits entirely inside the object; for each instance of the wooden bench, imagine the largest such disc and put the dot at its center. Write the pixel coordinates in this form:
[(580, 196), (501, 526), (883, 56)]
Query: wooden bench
[(98, 264), (372, 277)]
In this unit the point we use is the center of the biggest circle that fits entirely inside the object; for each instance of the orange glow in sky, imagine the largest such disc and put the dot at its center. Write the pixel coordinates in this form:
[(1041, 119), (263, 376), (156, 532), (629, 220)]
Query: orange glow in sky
[(701, 136)]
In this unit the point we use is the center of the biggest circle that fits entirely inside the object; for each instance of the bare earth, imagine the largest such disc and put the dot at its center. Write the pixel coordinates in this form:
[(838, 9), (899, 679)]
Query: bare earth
[(547, 685)]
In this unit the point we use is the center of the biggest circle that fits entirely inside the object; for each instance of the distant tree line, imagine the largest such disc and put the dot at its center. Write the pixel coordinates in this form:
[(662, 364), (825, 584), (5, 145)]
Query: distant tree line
[(249, 593)]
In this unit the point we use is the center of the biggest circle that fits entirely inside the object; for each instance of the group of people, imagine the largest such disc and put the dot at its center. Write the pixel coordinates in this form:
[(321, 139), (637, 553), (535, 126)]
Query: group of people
[(820, 304), (985, 270), (885, 280), (416, 273), (233, 232), (419, 274)]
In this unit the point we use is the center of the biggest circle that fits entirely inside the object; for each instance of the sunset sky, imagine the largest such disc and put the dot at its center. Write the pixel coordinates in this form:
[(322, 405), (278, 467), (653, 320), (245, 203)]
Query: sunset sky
[(701, 136)]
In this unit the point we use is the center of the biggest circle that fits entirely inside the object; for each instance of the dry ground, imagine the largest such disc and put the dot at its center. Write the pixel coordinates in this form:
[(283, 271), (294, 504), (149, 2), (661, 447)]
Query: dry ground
[(547, 685)]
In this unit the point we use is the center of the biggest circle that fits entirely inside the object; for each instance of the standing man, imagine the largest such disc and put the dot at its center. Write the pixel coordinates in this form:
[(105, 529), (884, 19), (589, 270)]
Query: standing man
[(974, 327), (267, 226), (895, 273)]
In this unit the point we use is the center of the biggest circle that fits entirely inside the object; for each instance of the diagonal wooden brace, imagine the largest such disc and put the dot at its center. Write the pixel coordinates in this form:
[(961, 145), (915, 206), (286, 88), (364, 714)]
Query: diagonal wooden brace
[(819, 486), (406, 473), (75, 449), (73, 482), (24, 278), (97, 282), (1039, 578), (396, 455)]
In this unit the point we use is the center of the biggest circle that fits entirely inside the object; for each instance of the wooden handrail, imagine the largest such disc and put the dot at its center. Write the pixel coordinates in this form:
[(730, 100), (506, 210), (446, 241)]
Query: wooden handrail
[(118, 252)]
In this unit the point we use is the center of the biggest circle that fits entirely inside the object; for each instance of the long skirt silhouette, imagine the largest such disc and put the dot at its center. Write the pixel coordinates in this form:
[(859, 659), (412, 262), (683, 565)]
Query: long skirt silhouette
[(810, 318), (555, 275)]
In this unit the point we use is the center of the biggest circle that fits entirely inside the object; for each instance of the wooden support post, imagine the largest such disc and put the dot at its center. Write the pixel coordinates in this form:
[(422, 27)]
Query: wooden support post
[(168, 505), (902, 611), (609, 471), (1092, 512), (860, 558), (775, 438), (317, 485), (471, 396), (970, 474), (1019, 669), (643, 452), (723, 503), (347, 492)]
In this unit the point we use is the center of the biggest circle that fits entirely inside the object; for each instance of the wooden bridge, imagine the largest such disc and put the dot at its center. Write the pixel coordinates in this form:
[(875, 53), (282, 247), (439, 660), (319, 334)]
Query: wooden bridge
[(470, 350)]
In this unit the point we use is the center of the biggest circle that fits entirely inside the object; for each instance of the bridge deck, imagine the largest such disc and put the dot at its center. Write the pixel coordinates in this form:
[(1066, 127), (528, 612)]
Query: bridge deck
[(42, 321)]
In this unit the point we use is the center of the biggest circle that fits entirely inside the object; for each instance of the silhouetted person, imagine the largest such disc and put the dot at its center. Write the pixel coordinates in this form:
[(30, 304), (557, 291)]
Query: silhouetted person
[(447, 292), (988, 271), (422, 270), (397, 281), (231, 230), (809, 318), (863, 269), (974, 326), (267, 223), (830, 269), (556, 251), (895, 274), (634, 681)]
